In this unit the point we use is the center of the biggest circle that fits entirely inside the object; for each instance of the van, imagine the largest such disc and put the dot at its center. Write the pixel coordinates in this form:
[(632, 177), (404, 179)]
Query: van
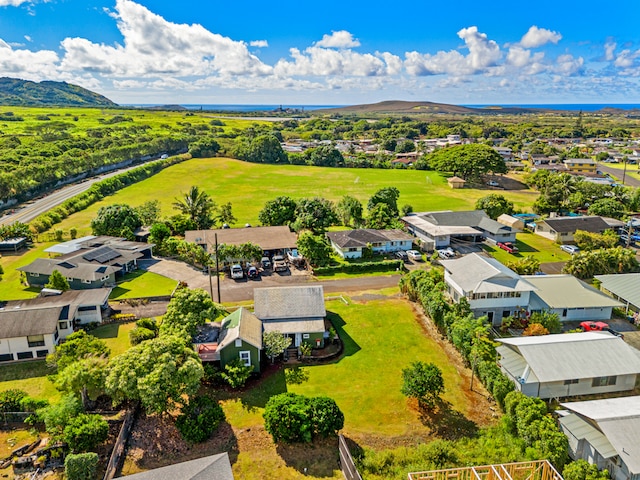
[(237, 272)]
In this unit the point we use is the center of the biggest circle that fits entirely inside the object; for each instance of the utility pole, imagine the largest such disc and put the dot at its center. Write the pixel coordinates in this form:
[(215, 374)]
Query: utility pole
[(206, 246), (217, 269)]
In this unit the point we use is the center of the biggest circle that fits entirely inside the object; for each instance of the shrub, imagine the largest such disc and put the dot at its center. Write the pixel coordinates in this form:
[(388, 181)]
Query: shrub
[(140, 334), (84, 432), (364, 267), (82, 466), (199, 419), (583, 470), (326, 417), (10, 400), (422, 381), (236, 373)]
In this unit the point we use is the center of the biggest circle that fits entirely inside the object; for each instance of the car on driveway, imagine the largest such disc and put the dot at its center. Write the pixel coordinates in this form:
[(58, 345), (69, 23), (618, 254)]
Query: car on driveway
[(508, 247), (414, 255), (252, 272), (279, 264), (236, 272), (593, 326), (446, 253), (265, 262), (402, 255), (570, 249)]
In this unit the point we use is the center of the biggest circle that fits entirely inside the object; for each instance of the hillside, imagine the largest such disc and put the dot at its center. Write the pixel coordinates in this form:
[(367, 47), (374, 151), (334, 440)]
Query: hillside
[(404, 107), (17, 92)]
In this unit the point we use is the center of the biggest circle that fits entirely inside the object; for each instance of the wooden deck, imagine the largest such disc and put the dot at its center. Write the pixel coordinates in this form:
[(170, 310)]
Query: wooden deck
[(536, 470)]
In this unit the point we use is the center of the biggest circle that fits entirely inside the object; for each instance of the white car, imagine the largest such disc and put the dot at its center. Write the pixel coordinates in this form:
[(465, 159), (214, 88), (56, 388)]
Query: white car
[(446, 253), (237, 272), (414, 255), (570, 249)]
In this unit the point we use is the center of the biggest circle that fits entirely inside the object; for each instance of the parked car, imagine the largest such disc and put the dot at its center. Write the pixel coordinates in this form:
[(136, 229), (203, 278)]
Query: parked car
[(279, 263), (570, 249), (446, 253), (265, 262), (508, 246), (493, 183), (593, 326), (414, 255), (402, 255), (237, 272), (252, 272), (294, 256)]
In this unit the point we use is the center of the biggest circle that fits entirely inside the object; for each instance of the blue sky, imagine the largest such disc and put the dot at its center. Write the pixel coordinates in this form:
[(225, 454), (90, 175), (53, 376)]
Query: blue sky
[(330, 52)]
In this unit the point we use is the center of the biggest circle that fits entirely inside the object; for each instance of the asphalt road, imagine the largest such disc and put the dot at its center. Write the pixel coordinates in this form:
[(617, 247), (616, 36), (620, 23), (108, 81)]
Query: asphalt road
[(28, 211), (629, 181)]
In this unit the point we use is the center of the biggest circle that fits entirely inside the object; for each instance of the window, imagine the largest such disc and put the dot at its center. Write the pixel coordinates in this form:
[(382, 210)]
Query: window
[(91, 308), (35, 341), (603, 381), (42, 353), (35, 274), (86, 281), (25, 355), (64, 325), (571, 382), (305, 335), (6, 357), (245, 356), (238, 342)]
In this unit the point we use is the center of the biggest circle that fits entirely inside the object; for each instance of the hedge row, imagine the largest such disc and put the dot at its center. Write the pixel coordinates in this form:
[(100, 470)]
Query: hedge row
[(101, 189), (384, 266)]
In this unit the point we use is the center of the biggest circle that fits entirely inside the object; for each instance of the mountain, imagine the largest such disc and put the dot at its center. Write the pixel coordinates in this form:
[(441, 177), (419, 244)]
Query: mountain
[(404, 107), (24, 93)]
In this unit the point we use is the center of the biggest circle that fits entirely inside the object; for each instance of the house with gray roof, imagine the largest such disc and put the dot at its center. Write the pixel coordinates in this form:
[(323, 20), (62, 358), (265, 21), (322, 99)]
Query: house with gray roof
[(32, 328), (624, 287), (561, 229), (351, 243), (79, 275), (272, 239), (569, 364), (492, 289), (606, 433), (213, 467), (439, 229), (570, 298), (297, 312)]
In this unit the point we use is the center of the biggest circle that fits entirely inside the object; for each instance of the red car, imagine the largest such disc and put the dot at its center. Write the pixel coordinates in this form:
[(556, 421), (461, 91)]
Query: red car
[(594, 326), (508, 246)]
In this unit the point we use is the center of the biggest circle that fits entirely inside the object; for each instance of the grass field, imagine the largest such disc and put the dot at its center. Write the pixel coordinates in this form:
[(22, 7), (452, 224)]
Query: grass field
[(30, 376), (116, 336), (530, 244), (248, 186), (141, 283)]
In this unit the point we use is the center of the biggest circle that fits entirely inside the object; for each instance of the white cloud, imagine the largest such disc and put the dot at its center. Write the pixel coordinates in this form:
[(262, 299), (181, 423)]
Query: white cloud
[(536, 37), (569, 65), (27, 38), (483, 53), (259, 43), (609, 49), (38, 65), (340, 39), (12, 3)]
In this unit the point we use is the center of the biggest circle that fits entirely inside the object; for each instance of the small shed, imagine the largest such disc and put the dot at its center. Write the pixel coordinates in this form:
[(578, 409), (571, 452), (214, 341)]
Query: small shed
[(510, 221), (456, 182), (13, 244)]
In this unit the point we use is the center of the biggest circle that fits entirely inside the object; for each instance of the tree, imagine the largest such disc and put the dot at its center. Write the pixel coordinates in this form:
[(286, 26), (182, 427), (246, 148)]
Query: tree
[(588, 241), (85, 432), (199, 419), (236, 373), (58, 415), (349, 211), (112, 219), (149, 212), (315, 214), (467, 161), (198, 206), (527, 265), (583, 470), (204, 148), (82, 466), (602, 262), (324, 156), (275, 343), (57, 282), (224, 215), (314, 248), (280, 211), (158, 233), (381, 217), (83, 378), (495, 205), (422, 381), (188, 309), (326, 416), (10, 400), (160, 373), (261, 149), (549, 320), (77, 346), (607, 207), (388, 196)]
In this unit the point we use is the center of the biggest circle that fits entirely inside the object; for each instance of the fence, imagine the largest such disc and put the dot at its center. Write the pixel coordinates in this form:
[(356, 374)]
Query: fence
[(347, 465), (118, 449)]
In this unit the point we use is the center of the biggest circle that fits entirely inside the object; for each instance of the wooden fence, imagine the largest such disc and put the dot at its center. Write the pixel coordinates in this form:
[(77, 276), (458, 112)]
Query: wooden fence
[(347, 465), (117, 455)]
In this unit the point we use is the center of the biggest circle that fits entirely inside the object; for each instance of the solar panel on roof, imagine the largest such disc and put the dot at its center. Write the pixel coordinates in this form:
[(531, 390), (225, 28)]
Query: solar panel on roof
[(101, 269), (101, 255), (66, 265)]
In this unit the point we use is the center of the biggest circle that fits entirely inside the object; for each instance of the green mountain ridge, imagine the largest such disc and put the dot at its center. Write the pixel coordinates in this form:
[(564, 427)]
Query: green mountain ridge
[(24, 93)]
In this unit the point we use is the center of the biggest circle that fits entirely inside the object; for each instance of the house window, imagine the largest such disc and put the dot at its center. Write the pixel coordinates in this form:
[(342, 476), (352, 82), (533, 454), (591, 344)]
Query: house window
[(35, 274), (571, 381), (35, 341), (64, 325), (238, 342), (86, 281), (603, 381), (305, 335), (42, 353), (91, 308), (25, 355), (6, 357), (245, 357)]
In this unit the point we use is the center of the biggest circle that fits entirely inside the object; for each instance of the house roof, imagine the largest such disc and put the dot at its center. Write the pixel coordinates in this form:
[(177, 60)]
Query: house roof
[(582, 429), (81, 271), (482, 274), (448, 222), (619, 421), (574, 355), (295, 326), (297, 302), (571, 224), (624, 285), (363, 236), (215, 467), (566, 291), (241, 324), (268, 238), (583, 161)]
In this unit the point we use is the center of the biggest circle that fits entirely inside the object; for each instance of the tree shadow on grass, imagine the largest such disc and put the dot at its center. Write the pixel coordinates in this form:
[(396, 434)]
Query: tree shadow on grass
[(256, 394), (350, 347), (296, 375), (446, 422), (318, 459)]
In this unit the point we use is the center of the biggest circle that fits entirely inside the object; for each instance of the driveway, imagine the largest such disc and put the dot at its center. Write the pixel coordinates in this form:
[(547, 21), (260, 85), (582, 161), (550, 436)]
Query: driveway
[(629, 181), (242, 290)]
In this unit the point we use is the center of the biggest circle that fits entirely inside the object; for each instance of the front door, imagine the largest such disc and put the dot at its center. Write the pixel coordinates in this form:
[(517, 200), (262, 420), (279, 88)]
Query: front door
[(298, 340)]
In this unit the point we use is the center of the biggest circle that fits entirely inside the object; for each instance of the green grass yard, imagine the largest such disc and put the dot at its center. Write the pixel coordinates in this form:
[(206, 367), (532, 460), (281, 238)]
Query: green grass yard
[(116, 336), (140, 283), (530, 244), (30, 376)]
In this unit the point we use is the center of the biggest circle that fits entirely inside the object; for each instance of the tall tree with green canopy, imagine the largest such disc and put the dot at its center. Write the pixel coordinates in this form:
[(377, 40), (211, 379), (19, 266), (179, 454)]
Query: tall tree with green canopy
[(468, 161), (349, 211), (424, 382), (77, 346), (198, 206), (495, 205), (57, 282), (261, 149), (84, 378), (279, 211), (315, 248), (315, 214), (112, 219), (160, 373), (188, 309), (387, 195)]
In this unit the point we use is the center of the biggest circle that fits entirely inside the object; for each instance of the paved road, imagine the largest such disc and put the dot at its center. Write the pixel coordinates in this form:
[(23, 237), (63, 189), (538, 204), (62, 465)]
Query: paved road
[(629, 181), (238, 291), (28, 211)]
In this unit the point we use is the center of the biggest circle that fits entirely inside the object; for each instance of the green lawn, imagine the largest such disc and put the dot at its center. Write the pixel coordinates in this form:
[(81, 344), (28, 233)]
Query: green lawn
[(633, 171), (381, 338), (30, 376), (10, 286), (141, 283), (530, 244), (248, 186), (116, 336)]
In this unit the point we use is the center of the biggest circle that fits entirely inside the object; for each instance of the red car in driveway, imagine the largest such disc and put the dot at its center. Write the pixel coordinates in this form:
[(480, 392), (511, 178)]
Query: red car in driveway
[(594, 326), (508, 246)]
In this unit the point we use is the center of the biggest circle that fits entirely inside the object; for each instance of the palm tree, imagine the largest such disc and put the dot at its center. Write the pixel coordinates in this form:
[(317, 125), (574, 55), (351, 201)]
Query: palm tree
[(197, 205)]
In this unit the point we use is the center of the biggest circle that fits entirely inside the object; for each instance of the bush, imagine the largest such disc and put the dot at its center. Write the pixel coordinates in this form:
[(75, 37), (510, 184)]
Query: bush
[(140, 334), (583, 470), (82, 466), (10, 400), (236, 373), (364, 267), (199, 419), (423, 381), (85, 432)]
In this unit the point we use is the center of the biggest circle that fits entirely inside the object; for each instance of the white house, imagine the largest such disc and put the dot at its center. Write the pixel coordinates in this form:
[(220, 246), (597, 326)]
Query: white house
[(32, 328), (570, 298), (605, 433), (492, 289), (350, 243), (569, 364)]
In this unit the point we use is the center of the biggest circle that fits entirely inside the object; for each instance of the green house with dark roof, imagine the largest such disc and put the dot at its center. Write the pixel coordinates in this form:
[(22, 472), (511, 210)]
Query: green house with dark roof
[(240, 336)]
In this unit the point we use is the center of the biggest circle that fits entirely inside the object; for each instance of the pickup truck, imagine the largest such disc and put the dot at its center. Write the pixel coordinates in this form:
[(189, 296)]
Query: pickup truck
[(279, 263), (508, 246)]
